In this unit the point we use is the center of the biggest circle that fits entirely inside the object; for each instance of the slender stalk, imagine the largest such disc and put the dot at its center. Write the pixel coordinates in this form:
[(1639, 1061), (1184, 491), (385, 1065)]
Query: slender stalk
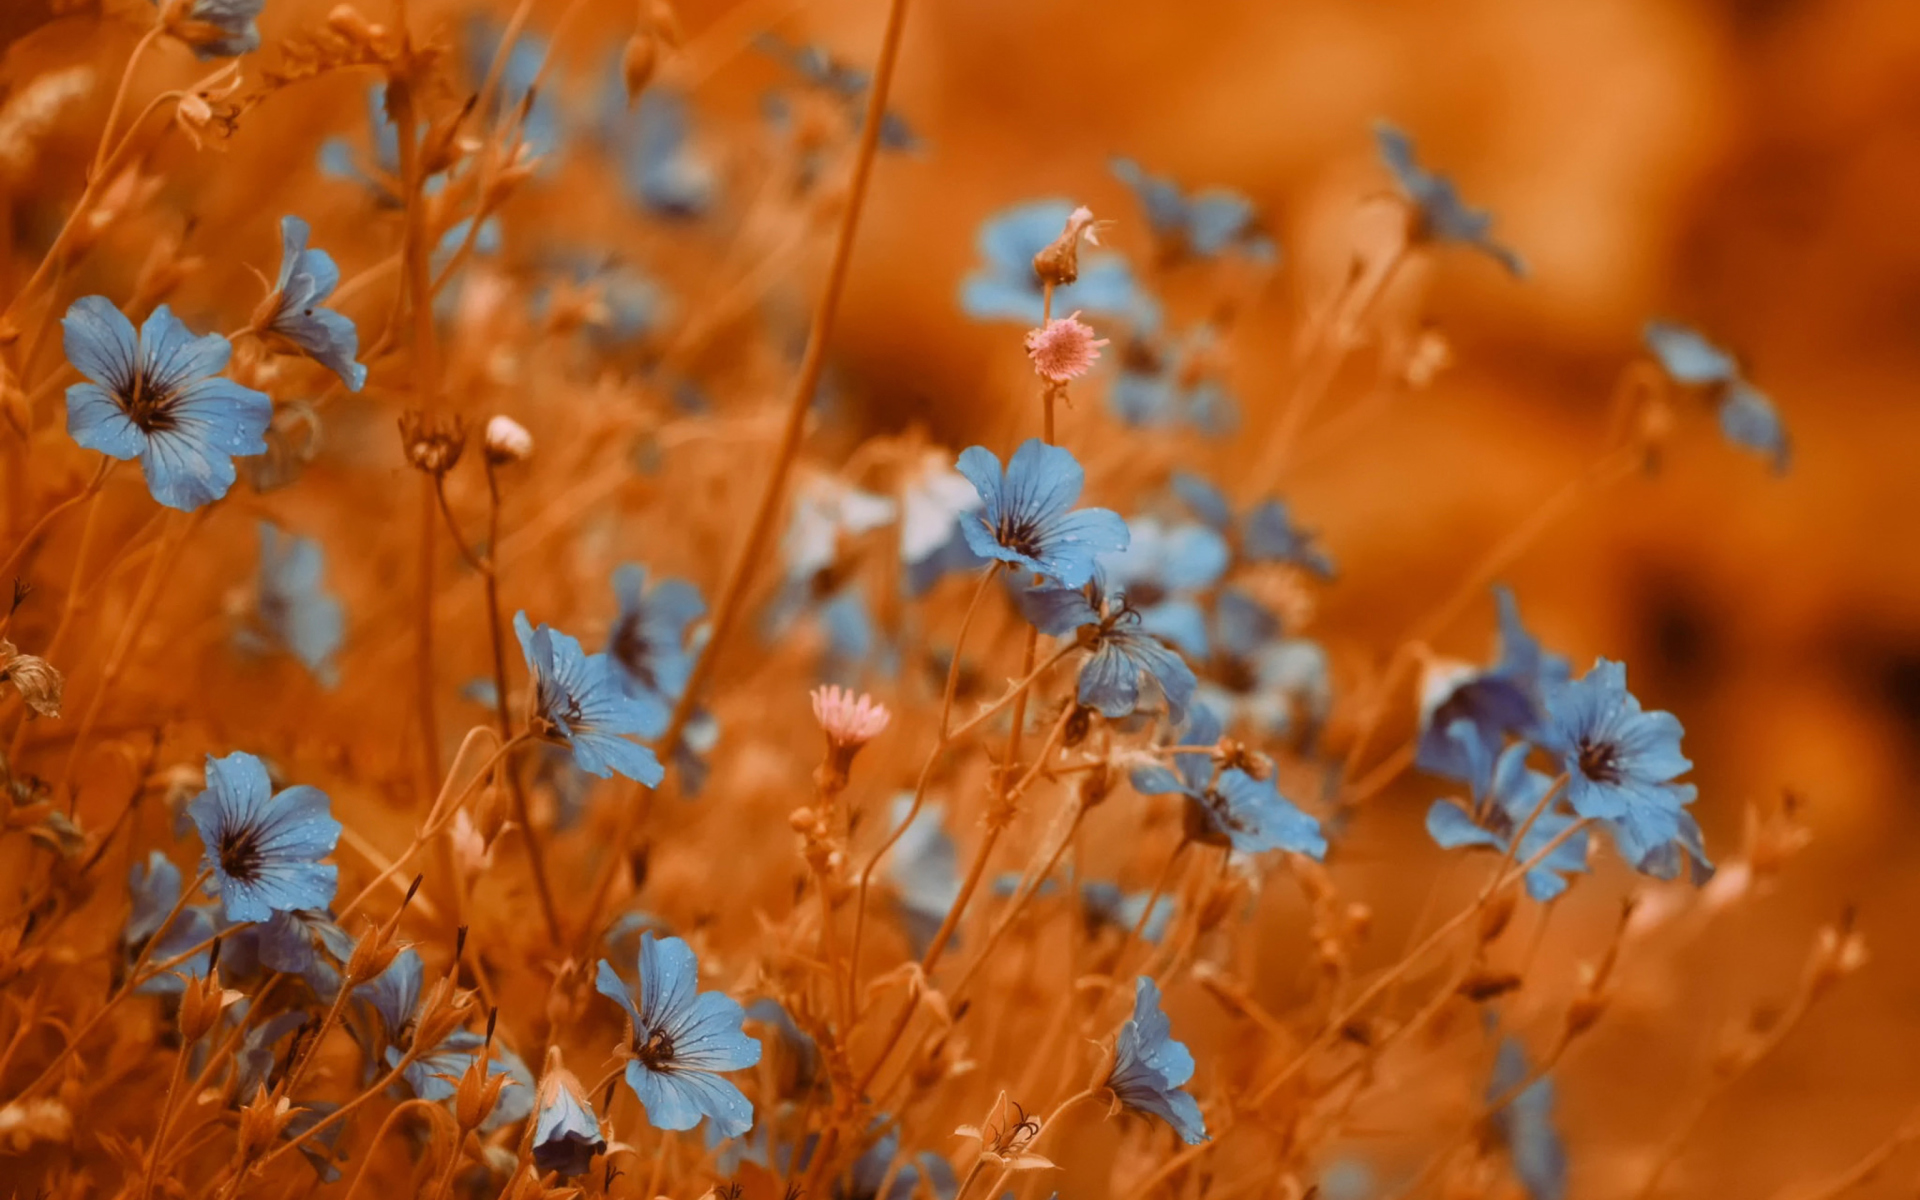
[(166, 1117), (92, 488)]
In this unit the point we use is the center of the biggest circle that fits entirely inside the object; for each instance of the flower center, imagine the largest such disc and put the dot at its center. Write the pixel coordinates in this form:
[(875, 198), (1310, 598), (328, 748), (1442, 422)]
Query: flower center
[(241, 856), (1019, 535), (655, 1052), (1600, 761), (148, 405)]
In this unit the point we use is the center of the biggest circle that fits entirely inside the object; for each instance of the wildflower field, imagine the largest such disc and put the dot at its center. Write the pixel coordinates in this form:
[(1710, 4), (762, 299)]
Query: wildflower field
[(958, 599)]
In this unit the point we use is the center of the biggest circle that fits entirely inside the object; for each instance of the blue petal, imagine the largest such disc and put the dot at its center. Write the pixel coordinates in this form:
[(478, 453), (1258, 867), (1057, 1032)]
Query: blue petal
[(100, 343), (1687, 357)]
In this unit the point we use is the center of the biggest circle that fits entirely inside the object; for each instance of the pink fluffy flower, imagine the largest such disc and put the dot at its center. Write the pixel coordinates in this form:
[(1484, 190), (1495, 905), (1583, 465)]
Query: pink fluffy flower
[(1064, 349)]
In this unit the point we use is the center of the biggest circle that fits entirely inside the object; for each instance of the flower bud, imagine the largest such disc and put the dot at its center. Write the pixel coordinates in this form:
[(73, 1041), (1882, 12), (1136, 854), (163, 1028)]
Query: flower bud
[(262, 1122), (432, 444), (508, 441), (1059, 263)]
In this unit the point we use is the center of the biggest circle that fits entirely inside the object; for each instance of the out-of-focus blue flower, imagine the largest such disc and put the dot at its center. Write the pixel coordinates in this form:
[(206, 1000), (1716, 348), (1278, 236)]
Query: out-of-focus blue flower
[(582, 701), (1505, 793), (800, 1046), (518, 75), (298, 614), (223, 28), (825, 509), (306, 943), (154, 887), (566, 1134), (1504, 700), (1122, 651), (307, 278), (339, 160), (870, 1171), (932, 504), (1442, 215), (1105, 904), (1271, 536), (841, 80), (652, 142), (648, 642), (1747, 416), (1621, 764), (263, 850), (158, 396), (1229, 807), (1149, 1067), (394, 994), (679, 1039), (435, 1075), (925, 867), (192, 928), (1162, 571), (1262, 677), (1006, 288), (1027, 516), (1206, 223), (1526, 1125)]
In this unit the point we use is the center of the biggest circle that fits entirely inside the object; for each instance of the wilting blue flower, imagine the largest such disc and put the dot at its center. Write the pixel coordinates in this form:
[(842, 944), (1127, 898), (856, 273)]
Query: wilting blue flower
[(1122, 651), (1205, 223), (1271, 536), (1442, 215), (652, 144), (1504, 700), (1526, 1125), (1161, 572), (1505, 794), (263, 850), (1747, 417), (581, 699), (925, 867), (1149, 1067), (158, 397), (394, 994), (648, 642), (518, 75), (308, 277), (1006, 288), (680, 1039), (1106, 904), (1229, 807), (298, 614), (225, 28), (847, 83), (566, 1134), (1268, 680), (1027, 516), (1621, 763), (435, 1075), (306, 943)]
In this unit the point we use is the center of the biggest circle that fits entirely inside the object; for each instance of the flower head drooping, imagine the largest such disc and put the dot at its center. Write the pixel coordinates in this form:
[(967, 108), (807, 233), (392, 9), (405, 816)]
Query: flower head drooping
[(263, 849), (1621, 763), (293, 313), (1149, 1067), (1027, 515), (1230, 807), (215, 28), (297, 611), (578, 699), (157, 396), (1505, 794), (680, 1039), (1123, 651), (1747, 417), (1008, 288), (1438, 211), (648, 643), (566, 1134), (1063, 349)]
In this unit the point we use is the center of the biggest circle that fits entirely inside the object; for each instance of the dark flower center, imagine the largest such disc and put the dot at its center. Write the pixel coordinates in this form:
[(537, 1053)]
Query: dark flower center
[(655, 1052), (633, 651), (240, 854), (1019, 534), (148, 405), (1600, 761)]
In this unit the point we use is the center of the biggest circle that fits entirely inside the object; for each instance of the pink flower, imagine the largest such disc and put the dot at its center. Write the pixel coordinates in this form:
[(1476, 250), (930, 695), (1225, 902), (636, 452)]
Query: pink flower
[(850, 721), (1065, 349)]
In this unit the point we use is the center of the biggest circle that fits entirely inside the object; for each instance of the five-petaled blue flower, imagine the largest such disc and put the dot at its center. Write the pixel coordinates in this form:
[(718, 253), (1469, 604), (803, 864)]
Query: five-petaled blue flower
[(1027, 516), (1621, 764), (1505, 794), (566, 1134), (263, 849), (1525, 1125), (1122, 650), (1440, 213), (294, 312), (298, 613), (1500, 701), (679, 1040), (580, 699), (1229, 807), (223, 28), (1204, 224), (158, 396), (1149, 1067), (648, 642), (1007, 289), (1747, 417)]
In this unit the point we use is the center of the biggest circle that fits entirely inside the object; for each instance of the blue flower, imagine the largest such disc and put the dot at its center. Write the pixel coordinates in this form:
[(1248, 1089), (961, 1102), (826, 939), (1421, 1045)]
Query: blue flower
[(1525, 1124), (1270, 535), (1122, 650), (870, 1171), (223, 28), (679, 1040), (1506, 793), (1620, 764), (1149, 1067), (154, 887), (435, 1075), (1161, 571), (306, 943), (824, 511), (932, 504), (580, 700), (1441, 214), (1007, 289), (1267, 680), (1229, 807), (294, 311), (518, 75), (648, 643), (652, 144), (1747, 417), (1501, 701), (158, 396), (263, 849), (846, 83), (566, 1134), (255, 1058), (1105, 904), (1027, 515), (1206, 223), (394, 994), (191, 930), (925, 867), (339, 160), (299, 615)]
